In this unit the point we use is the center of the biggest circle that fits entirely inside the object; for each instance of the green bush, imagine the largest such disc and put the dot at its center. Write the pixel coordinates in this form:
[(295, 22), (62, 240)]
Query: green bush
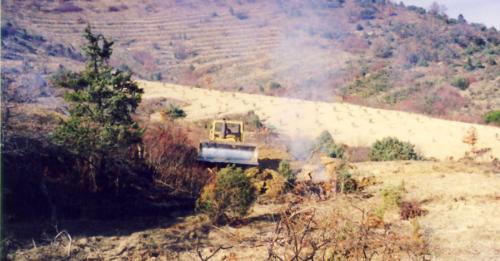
[(241, 15), (345, 182), (255, 121), (274, 85), (469, 66), (286, 172), (336, 151), (173, 112), (391, 148), (232, 195), (461, 83), (417, 9), (157, 76), (370, 84), (383, 51), (493, 117), (325, 144), (102, 101), (491, 61), (324, 138), (392, 197)]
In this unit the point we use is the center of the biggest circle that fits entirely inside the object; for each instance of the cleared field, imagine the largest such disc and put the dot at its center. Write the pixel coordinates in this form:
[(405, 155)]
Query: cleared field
[(350, 124)]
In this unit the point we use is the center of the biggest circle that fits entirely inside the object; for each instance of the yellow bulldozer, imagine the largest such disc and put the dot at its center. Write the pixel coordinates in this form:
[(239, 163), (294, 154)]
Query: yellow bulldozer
[(226, 145)]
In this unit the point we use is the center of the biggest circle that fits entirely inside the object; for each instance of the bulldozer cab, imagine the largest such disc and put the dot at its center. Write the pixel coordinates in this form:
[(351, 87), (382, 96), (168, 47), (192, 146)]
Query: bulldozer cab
[(222, 130)]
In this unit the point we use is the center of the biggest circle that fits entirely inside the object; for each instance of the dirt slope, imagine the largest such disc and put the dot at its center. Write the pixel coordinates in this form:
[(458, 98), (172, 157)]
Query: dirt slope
[(350, 124)]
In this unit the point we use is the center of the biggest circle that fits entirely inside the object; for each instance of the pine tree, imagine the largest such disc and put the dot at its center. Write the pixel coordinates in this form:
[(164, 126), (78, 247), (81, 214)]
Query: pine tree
[(102, 100)]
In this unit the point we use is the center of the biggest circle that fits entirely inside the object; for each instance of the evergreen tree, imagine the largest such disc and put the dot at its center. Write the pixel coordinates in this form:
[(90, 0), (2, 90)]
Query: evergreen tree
[(102, 100)]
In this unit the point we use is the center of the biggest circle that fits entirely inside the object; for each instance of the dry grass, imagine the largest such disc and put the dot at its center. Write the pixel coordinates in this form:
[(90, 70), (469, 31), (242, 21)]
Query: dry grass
[(433, 137), (461, 201)]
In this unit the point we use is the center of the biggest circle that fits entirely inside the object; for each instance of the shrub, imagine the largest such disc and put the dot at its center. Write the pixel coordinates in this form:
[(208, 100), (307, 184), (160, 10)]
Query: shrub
[(491, 61), (157, 76), (181, 53), (334, 4), (417, 9), (324, 140), (173, 112), (461, 83), (286, 172), (479, 65), (231, 195), (268, 183), (305, 235), (124, 68), (336, 151), (67, 8), (326, 145), (368, 13), (255, 121), (345, 182), (241, 15), (383, 51), (470, 137), (410, 209), (493, 117), (391, 148), (117, 8), (392, 197), (274, 85), (370, 84), (173, 159), (100, 125), (469, 66)]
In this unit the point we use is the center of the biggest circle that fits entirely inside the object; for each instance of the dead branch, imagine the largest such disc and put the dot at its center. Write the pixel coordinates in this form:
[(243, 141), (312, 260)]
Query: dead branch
[(64, 232), (200, 255)]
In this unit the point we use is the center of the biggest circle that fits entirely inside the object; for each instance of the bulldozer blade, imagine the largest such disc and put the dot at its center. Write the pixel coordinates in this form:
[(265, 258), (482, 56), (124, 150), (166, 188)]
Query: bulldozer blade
[(240, 154)]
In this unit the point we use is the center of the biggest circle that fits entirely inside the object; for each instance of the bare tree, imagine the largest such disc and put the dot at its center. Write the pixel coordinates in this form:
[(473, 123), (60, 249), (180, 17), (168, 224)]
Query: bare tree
[(437, 9)]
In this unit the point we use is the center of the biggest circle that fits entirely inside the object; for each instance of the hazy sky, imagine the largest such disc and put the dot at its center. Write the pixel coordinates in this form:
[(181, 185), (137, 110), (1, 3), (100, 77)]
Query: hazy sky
[(478, 11)]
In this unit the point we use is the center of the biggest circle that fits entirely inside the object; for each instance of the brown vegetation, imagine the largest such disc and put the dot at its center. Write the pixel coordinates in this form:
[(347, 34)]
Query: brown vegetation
[(169, 152), (410, 209), (300, 235)]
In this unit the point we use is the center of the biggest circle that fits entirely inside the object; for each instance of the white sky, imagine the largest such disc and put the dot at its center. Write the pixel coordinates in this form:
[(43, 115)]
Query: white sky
[(478, 11)]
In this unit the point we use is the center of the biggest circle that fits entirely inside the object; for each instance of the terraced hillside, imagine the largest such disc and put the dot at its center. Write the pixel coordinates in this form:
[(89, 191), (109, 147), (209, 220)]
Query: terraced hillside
[(368, 52), (350, 124)]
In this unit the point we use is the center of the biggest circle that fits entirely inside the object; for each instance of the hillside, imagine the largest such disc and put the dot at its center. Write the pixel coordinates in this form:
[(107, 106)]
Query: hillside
[(366, 120), (374, 53), (303, 121)]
